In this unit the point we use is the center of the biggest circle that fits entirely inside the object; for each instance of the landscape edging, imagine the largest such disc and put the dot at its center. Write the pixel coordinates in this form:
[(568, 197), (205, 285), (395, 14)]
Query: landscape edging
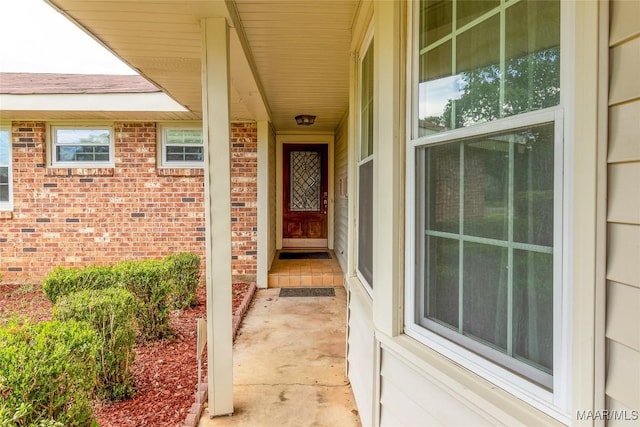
[(195, 412)]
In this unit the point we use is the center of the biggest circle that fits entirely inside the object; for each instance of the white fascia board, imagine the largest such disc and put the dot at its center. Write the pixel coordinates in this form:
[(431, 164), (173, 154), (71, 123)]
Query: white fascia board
[(156, 101)]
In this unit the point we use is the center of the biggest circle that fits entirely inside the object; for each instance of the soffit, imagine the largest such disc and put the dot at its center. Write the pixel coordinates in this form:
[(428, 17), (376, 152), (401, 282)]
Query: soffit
[(297, 52), (72, 115), (301, 52)]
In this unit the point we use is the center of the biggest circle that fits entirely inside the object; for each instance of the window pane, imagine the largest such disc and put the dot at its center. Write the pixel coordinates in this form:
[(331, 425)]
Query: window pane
[(486, 171), (478, 76), (82, 145), (366, 114), (442, 287), (365, 221), (184, 154), (175, 157), (533, 308), (83, 136), (183, 136), (532, 78), (437, 88), (478, 64), (66, 154), (485, 205), (183, 145), (4, 183), (5, 147), (468, 10), (193, 150), (533, 186), (193, 157), (508, 185), (82, 153), (443, 188), (435, 21), (485, 293)]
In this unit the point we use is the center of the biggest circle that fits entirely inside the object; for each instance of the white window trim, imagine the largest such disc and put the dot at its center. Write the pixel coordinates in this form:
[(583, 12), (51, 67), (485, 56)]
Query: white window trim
[(51, 153), (8, 205), (555, 403), (366, 44), (549, 402), (161, 142)]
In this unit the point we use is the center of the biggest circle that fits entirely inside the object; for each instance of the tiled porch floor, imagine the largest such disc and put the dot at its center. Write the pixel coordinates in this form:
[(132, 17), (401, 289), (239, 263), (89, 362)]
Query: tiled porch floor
[(294, 273)]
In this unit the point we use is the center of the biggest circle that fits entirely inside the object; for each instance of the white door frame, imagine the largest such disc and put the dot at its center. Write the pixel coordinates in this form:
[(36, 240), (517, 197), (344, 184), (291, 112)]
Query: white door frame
[(296, 138)]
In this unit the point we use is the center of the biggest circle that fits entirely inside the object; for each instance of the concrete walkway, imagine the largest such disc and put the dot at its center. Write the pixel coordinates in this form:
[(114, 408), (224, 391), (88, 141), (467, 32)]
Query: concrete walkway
[(289, 364)]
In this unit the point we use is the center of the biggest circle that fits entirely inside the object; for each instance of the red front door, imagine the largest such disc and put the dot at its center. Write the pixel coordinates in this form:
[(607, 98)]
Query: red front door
[(305, 195)]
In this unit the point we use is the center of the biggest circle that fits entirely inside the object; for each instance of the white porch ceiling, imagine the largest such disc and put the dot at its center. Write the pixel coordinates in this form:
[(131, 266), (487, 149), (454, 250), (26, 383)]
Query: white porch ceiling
[(287, 57)]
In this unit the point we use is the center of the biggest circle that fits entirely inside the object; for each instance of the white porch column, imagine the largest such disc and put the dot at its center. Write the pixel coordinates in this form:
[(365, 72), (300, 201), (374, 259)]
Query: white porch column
[(264, 243), (388, 167), (217, 134)]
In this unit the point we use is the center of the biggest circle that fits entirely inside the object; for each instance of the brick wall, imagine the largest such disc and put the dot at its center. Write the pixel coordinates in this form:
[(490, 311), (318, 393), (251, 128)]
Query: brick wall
[(244, 199), (133, 210)]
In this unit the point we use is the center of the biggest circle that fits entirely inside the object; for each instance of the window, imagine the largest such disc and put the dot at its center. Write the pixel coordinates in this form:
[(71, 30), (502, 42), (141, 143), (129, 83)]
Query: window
[(6, 184), (365, 170), (75, 146), (182, 147), (486, 179)]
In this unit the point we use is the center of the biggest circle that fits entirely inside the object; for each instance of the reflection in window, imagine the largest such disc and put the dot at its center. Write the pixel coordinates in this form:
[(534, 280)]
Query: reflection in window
[(5, 167), (81, 145), (493, 61), (183, 146)]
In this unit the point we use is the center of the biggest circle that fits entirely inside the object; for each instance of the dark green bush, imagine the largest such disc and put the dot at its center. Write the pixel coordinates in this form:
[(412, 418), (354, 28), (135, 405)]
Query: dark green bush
[(159, 285), (184, 276), (63, 281), (147, 280), (48, 373), (112, 314)]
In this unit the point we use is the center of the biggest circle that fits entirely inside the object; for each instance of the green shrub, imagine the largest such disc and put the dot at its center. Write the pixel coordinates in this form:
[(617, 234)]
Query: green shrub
[(184, 276), (112, 314), (48, 373), (159, 285), (63, 281), (147, 280)]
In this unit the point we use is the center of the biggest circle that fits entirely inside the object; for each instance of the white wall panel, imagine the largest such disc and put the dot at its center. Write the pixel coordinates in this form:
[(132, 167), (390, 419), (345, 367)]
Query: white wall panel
[(361, 354)]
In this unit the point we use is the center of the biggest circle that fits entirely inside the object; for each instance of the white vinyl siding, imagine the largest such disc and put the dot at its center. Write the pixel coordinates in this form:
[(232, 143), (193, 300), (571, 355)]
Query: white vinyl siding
[(408, 395), (341, 205), (6, 170), (623, 212), (361, 360), (81, 146)]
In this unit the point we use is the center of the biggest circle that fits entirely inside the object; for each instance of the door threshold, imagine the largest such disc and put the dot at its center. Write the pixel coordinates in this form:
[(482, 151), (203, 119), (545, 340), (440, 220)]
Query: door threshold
[(304, 243)]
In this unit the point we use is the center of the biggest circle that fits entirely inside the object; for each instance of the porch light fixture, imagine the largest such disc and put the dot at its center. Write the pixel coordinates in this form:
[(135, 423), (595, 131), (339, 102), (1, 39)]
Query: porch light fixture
[(305, 120)]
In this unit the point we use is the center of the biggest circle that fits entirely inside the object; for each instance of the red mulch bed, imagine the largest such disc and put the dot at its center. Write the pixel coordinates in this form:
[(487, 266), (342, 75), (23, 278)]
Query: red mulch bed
[(165, 371)]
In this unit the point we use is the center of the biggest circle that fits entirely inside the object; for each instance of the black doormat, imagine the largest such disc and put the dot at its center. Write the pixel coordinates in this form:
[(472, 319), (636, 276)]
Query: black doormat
[(304, 255), (307, 292)]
